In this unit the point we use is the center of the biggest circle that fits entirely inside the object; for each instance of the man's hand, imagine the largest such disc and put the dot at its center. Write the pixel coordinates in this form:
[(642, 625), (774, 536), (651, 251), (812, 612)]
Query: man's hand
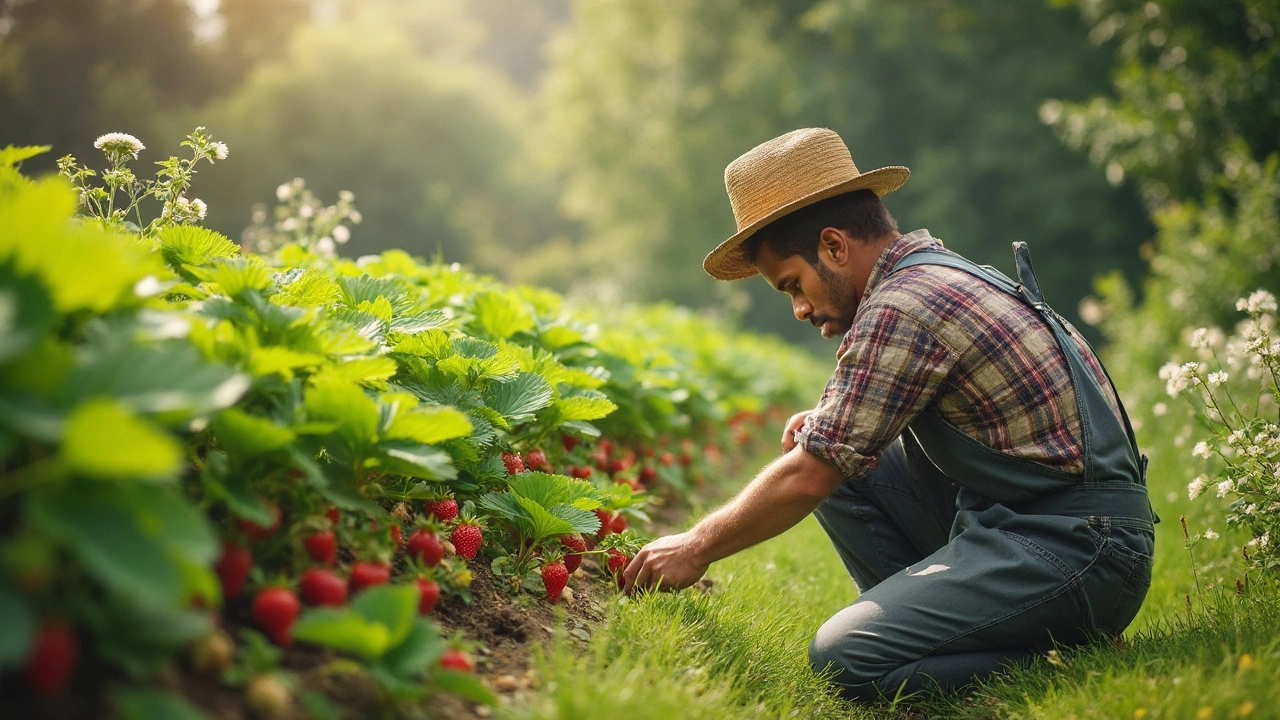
[(793, 425), (667, 563)]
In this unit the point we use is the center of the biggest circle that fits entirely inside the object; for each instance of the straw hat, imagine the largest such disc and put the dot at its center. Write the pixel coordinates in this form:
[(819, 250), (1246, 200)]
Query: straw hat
[(783, 175)]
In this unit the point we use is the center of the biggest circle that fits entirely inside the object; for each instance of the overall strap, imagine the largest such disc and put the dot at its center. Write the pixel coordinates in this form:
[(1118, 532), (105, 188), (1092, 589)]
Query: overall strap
[(1110, 449)]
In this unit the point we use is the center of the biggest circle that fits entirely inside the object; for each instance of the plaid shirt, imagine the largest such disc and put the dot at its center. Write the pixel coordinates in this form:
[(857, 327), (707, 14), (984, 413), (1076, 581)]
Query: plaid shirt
[(938, 339)]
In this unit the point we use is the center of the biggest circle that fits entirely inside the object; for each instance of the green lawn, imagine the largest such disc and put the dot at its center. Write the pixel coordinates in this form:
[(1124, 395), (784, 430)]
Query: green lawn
[(741, 652)]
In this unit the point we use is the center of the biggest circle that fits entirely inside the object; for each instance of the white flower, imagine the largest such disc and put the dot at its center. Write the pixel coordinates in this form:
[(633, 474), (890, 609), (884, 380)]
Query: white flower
[(1159, 409), (306, 211), (354, 216), (1225, 487), (199, 208), (1178, 377), (1209, 534), (1201, 450), (1259, 302), (121, 143), (1200, 338), (219, 150), (325, 245), (1217, 378), (1195, 487), (346, 195), (282, 192), (341, 234)]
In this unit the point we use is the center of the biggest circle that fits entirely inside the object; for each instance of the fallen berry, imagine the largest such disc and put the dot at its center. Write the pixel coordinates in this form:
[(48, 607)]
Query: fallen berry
[(322, 587), (274, 609), (52, 659), (368, 574), (213, 653), (455, 659), (554, 576), (322, 546)]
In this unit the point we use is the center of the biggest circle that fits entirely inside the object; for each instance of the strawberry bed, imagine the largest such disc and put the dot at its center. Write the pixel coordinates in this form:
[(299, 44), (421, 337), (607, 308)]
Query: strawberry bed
[(230, 479)]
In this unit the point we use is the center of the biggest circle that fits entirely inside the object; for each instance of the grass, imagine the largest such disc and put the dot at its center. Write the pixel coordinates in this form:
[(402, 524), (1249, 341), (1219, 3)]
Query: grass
[(741, 652)]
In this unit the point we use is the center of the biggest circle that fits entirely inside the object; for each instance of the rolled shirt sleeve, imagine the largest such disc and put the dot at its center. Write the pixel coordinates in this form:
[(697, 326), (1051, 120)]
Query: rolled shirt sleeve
[(890, 368)]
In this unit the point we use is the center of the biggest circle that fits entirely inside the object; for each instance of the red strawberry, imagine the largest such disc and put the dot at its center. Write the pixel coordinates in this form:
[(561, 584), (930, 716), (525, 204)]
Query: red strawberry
[(619, 523), (443, 510), (538, 460), (606, 523), (666, 458), (570, 442), (426, 547), (455, 659), (581, 473), (323, 587), (322, 546), (466, 539), (233, 568), (573, 560), (619, 465), (367, 574), (617, 560), (648, 475), (274, 610), (53, 658), (514, 464), (606, 447), (554, 577), (334, 516), (430, 591), (259, 532)]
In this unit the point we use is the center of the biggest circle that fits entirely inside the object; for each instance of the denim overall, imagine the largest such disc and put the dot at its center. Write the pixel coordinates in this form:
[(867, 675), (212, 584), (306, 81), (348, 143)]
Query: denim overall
[(968, 559)]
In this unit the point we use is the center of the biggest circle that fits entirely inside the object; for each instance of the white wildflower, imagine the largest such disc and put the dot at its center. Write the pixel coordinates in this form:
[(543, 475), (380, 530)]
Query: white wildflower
[(1201, 450), (287, 225), (1200, 338), (341, 234), (1179, 377), (1217, 378), (1238, 437), (325, 245), (346, 196), (1195, 487), (306, 211), (282, 191), (1209, 534), (355, 217), (1225, 487), (119, 143), (1259, 301), (1159, 409), (218, 150), (199, 207)]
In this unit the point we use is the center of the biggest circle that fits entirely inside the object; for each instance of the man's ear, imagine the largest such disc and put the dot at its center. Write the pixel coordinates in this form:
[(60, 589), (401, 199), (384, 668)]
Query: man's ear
[(834, 243)]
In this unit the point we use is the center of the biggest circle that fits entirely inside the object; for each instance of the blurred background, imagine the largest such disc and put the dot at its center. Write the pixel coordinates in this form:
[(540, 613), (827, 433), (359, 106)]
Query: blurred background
[(581, 144)]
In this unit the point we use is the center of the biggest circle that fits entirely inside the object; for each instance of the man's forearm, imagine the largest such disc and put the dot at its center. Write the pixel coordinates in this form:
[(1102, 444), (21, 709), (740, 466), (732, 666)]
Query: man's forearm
[(778, 498)]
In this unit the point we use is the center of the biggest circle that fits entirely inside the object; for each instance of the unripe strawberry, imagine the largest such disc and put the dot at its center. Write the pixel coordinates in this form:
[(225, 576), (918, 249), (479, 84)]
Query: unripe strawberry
[(425, 546), (322, 587), (368, 574), (443, 510), (274, 609), (322, 546), (52, 659), (514, 464), (430, 593), (466, 539), (573, 560), (456, 659), (268, 697), (233, 568), (554, 576)]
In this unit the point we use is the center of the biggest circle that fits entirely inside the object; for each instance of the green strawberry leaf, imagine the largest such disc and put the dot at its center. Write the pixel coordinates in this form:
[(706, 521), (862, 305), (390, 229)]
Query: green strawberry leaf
[(520, 397), (248, 436), (17, 625), (414, 459), (344, 629), (154, 704), (102, 439), (393, 606), (500, 315), (171, 379), (419, 649), (27, 312), (347, 404), (193, 245), (234, 276), (429, 425)]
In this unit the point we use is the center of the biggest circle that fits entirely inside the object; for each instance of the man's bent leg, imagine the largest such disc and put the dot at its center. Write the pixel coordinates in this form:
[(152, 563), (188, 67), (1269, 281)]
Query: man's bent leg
[(895, 516)]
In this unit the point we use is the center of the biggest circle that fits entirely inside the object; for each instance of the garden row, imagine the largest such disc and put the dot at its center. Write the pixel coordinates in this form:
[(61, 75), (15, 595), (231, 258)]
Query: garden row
[(324, 447)]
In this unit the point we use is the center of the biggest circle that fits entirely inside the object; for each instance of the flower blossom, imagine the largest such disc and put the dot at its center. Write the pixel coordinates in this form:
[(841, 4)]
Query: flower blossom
[(1225, 487), (1195, 487), (1259, 301), (119, 143), (219, 150), (1209, 534), (1217, 378), (1201, 450)]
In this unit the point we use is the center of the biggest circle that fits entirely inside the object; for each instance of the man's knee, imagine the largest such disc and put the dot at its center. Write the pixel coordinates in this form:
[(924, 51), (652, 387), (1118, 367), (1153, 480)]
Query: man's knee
[(847, 652)]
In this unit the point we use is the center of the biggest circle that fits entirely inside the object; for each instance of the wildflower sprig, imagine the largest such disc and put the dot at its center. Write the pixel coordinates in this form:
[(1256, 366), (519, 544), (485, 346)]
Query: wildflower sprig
[(1235, 390), (105, 202), (301, 218)]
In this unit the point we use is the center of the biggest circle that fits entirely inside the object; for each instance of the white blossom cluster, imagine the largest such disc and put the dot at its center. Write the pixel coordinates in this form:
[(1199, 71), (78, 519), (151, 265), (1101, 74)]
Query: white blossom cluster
[(1231, 399), (303, 219)]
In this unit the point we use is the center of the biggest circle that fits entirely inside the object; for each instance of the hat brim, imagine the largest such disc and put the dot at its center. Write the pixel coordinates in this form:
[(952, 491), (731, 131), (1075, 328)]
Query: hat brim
[(727, 261)]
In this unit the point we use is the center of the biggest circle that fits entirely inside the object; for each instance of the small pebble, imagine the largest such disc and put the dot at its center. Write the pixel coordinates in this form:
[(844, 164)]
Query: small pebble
[(566, 594), (506, 683)]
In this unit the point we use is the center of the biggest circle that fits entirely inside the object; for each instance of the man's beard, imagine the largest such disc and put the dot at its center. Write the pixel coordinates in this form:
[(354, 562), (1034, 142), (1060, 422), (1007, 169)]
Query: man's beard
[(840, 293)]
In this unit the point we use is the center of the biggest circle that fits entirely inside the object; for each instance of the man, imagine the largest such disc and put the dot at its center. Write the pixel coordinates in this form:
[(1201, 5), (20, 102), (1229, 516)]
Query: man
[(969, 458)]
